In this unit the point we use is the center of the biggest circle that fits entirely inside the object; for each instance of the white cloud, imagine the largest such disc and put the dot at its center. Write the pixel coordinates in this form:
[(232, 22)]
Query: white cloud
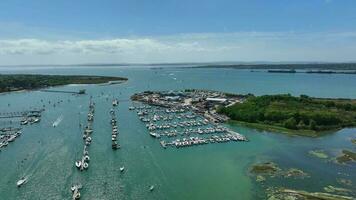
[(114, 46), (198, 47)]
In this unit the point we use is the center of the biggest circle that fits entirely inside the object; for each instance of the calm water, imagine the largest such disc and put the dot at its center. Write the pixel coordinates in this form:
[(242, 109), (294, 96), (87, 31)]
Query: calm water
[(217, 171)]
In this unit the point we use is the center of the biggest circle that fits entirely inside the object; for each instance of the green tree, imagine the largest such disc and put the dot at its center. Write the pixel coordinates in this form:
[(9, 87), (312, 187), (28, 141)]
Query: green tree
[(291, 123), (301, 125), (312, 124)]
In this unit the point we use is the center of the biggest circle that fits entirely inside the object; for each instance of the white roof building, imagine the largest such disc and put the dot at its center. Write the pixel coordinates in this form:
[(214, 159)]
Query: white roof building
[(220, 100)]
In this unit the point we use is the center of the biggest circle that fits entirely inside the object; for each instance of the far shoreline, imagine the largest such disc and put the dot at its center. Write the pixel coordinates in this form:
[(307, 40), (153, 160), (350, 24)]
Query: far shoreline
[(31, 82)]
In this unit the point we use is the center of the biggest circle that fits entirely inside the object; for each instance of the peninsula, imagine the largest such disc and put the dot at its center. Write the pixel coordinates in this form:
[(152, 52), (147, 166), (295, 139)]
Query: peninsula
[(302, 115), (16, 82)]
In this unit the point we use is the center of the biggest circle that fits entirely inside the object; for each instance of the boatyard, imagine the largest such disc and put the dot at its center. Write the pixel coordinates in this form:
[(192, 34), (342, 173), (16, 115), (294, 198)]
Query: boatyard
[(187, 116)]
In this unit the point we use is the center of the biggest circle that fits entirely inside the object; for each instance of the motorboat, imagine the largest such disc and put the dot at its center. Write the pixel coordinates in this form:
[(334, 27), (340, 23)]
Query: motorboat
[(155, 135), (152, 187), (78, 164), (85, 165), (86, 158), (12, 138), (122, 169), (36, 120), (21, 182), (115, 145), (75, 190), (115, 102)]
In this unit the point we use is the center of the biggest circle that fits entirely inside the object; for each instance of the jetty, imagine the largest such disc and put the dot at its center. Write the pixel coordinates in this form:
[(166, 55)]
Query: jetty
[(64, 91), (194, 141), (9, 129), (17, 114)]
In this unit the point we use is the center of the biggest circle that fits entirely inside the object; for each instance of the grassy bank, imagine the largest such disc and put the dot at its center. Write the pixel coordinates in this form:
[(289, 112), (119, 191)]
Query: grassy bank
[(16, 82), (271, 128)]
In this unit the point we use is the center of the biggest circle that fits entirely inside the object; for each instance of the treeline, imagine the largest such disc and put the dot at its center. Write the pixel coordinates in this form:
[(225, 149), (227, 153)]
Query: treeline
[(14, 82), (307, 66), (297, 113)]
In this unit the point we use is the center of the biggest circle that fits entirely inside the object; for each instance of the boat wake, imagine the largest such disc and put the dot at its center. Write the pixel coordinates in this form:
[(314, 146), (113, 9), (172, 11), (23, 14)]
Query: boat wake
[(58, 121)]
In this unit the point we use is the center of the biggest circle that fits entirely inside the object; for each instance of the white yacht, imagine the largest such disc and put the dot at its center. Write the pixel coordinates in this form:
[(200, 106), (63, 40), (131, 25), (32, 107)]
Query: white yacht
[(78, 164), (152, 187), (85, 165), (115, 102), (156, 135), (12, 138), (75, 190)]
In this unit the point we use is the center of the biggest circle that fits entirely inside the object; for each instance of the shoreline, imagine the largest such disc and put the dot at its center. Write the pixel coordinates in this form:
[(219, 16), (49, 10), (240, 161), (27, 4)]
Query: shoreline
[(51, 81), (281, 130)]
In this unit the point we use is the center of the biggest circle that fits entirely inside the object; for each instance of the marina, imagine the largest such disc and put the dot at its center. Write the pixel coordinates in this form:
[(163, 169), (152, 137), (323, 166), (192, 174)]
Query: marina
[(178, 100), (185, 114)]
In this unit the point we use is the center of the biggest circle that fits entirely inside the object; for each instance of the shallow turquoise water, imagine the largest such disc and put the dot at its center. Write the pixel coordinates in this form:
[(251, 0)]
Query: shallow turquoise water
[(218, 171)]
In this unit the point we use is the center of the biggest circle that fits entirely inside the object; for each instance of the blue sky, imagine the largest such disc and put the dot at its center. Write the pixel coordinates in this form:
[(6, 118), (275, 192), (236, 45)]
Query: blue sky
[(82, 31)]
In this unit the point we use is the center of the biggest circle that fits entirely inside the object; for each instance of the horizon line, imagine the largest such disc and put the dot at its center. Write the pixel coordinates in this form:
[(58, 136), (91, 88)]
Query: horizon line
[(187, 63)]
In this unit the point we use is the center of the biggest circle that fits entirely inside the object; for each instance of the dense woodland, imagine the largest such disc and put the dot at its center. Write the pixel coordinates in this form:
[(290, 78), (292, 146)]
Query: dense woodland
[(14, 82), (295, 113)]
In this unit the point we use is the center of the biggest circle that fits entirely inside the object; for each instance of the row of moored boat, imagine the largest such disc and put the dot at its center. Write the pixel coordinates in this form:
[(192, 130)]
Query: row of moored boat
[(8, 137), (83, 163), (114, 127), (174, 122)]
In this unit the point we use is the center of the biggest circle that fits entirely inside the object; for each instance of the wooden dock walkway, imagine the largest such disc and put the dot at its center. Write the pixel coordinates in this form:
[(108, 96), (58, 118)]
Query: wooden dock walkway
[(64, 91), (18, 114)]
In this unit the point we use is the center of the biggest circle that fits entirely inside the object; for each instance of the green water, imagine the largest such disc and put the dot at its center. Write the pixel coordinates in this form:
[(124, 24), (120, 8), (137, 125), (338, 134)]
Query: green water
[(216, 171)]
